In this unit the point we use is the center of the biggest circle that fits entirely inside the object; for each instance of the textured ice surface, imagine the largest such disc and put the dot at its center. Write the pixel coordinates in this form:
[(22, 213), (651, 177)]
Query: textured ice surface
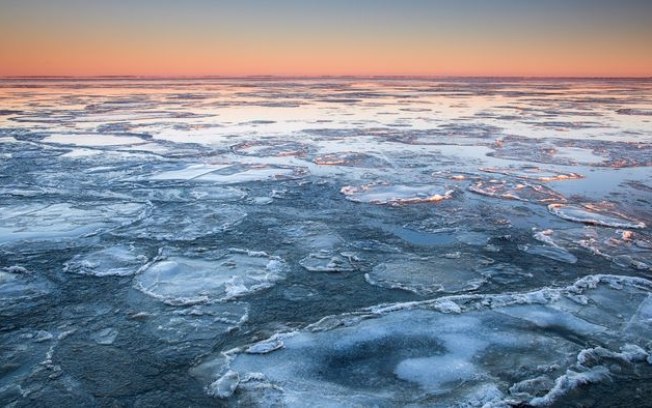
[(64, 220), (112, 261), (188, 173), (22, 353), (369, 203), (92, 139), (396, 194), (185, 280), (522, 191), (629, 249), (507, 349), (327, 262), (597, 214), (187, 222), (447, 273), (199, 323), (533, 173)]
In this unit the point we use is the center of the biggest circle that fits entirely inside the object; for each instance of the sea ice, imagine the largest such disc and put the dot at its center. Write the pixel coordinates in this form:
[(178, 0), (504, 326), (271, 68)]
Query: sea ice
[(64, 220), (396, 194), (187, 222), (521, 348), (196, 325), (532, 173), (327, 262), (117, 260), (92, 139), (623, 247), (597, 214), (522, 191), (425, 276), (179, 279)]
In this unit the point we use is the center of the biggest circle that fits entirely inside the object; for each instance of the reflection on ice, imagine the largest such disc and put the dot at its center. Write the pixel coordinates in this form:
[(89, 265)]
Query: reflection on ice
[(180, 279), (533, 173), (112, 261), (626, 248), (449, 273), (64, 220), (597, 214), (396, 194)]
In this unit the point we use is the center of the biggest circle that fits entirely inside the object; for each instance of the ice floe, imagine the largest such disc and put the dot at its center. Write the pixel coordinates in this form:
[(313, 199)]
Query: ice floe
[(179, 279), (92, 139), (396, 194), (532, 173), (630, 249), (507, 349), (187, 222), (64, 220), (522, 191), (112, 261), (597, 214)]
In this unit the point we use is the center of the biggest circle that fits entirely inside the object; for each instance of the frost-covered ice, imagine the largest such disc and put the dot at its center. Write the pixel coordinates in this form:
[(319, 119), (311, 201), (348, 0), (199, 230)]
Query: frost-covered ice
[(92, 140), (629, 249), (179, 279), (64, 220), (187, 222), (328, 242), (508, 349), (597, 214), (112, 261), (396, 194), (533, 173), (447, 273)]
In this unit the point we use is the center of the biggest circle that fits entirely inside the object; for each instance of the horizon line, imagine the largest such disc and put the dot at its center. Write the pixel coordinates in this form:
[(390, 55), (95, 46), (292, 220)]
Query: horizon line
[(325, 76)]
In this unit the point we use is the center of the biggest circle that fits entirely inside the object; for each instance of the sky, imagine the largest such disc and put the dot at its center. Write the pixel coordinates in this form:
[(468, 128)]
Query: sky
[(336, 37)]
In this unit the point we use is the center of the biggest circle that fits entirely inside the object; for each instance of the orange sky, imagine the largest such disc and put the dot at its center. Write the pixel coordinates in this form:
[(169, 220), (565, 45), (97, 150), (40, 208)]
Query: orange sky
[(429, 38)]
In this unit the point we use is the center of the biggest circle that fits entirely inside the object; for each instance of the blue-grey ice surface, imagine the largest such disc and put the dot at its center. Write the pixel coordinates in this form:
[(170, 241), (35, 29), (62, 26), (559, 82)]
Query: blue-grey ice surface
[(331, 242)]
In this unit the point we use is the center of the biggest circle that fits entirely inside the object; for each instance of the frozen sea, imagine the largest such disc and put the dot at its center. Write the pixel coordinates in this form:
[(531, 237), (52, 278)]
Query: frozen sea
[(325, 243)]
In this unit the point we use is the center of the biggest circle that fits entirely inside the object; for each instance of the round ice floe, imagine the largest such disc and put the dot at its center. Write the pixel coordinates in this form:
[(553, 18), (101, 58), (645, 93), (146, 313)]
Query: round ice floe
[(396, 194), (509, 349), (597, 214), (187, 222), (117, 260), (64, 220), (522, 191), (186, 280), (429, 275)]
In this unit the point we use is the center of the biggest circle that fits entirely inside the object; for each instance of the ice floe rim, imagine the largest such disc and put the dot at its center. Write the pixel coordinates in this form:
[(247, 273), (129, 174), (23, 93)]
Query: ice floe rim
[(165, 252), (456, 304)]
